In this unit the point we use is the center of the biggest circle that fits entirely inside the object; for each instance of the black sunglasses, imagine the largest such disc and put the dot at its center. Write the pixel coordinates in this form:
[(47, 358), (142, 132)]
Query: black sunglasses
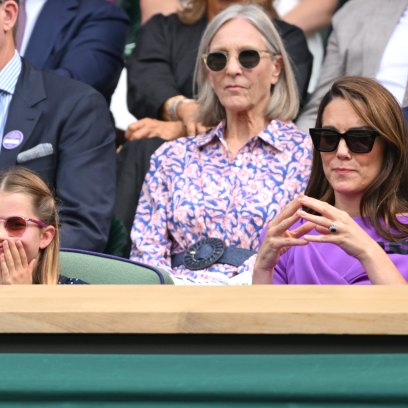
[(217, 61), (16, 226), (357, 140)]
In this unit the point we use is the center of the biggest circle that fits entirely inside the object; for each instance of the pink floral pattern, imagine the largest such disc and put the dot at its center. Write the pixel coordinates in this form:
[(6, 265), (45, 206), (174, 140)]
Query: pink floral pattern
[(194, 190)]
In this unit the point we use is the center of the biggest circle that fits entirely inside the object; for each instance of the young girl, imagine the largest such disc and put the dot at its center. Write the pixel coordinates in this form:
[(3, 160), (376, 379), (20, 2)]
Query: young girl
[(29, 231)]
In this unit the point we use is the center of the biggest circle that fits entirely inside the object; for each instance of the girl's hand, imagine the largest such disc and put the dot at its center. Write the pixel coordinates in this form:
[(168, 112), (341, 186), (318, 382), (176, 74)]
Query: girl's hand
[(278, 239), (14, 267)]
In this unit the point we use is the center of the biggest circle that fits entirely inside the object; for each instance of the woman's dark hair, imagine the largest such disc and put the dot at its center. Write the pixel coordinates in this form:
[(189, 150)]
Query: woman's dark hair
[(387, 195)]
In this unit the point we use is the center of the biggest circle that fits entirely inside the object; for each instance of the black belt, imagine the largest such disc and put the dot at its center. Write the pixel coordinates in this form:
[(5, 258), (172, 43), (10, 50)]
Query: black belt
[(209, 251)]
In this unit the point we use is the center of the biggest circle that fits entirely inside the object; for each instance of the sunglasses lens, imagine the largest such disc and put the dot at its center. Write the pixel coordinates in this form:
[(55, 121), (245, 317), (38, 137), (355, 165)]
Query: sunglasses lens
[(216, 61), (324, 140), (360, 141), (249, 58), (15, 226)]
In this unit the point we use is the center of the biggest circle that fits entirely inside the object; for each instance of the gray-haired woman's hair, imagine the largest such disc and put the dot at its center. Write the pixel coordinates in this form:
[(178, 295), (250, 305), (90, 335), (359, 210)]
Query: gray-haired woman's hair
[(284, 99)]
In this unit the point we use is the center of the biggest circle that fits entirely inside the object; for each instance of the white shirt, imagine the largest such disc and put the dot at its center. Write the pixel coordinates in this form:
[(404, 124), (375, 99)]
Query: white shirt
[(314, 42), (33, 10), (393, 70)]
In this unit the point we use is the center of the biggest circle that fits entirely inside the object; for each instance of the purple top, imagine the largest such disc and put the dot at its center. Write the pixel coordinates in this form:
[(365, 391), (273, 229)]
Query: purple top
[(328, 264)]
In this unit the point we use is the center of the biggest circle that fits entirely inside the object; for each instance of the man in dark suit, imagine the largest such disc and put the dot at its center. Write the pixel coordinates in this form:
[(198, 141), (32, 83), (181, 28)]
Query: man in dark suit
[(60, 128), (80, 39)]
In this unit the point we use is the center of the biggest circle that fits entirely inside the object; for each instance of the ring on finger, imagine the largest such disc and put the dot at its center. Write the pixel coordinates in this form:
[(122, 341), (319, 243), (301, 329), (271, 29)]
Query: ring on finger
[(332, 228)]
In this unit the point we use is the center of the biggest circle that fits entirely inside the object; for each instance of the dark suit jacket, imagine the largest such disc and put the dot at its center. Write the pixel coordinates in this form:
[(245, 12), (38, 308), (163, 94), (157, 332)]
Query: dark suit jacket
[(81, 39), (162, 64), (74, 118)]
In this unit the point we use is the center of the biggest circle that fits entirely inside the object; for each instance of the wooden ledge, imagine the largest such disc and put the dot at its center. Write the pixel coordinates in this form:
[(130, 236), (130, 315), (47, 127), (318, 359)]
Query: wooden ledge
[(204, 309)]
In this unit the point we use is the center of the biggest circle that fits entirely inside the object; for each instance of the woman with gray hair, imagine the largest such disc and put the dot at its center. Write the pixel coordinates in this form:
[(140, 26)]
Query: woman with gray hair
[(206, 198)]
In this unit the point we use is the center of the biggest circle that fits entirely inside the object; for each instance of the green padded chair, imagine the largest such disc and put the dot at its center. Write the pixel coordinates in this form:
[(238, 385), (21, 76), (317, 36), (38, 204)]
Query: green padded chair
[(103, 269)]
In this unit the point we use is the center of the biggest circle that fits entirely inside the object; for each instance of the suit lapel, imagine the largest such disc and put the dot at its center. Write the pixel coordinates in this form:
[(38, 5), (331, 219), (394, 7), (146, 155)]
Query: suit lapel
[(23, 112), (54, 17), (380, 26)]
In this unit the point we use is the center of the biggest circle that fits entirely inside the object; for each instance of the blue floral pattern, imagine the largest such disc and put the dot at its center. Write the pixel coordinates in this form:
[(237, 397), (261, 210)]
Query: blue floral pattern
[(195, 190)]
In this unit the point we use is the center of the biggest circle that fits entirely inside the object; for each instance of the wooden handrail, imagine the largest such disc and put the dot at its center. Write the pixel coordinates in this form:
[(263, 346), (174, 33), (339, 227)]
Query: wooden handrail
[(204, 309)]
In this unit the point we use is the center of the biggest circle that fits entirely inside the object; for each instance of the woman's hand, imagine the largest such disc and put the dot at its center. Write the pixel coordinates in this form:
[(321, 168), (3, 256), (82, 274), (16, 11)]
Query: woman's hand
[(148, 128), (338, 227), (348, 235), (278, 239), (14, 266), (187, 113)]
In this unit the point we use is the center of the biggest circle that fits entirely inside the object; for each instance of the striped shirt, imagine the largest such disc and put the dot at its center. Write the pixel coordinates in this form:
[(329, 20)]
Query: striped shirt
[(8, 80)]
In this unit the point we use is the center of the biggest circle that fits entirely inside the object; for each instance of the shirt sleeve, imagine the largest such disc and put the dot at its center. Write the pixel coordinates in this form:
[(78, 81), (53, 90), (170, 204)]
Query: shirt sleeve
[(333, 67), (151, 78), (301, 165), (150, 237), (93, 55)]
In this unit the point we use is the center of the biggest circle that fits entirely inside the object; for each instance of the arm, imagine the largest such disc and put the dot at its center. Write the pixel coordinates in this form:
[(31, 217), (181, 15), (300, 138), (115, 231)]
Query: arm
[(300, 57), (85, 180), (94, 52), (159, 77), (185, 125), (353, 240), (333, 67), (311, 15), (160, 67), (150, 7), (150, 236)]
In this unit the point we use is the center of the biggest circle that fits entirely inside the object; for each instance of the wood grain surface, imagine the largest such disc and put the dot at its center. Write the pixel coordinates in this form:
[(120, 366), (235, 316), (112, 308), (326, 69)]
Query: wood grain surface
[(221, 310)]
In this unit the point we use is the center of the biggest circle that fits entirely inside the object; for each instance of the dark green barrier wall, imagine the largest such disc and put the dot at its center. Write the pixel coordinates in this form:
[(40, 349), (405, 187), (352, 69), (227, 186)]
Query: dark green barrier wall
[(204, 380)]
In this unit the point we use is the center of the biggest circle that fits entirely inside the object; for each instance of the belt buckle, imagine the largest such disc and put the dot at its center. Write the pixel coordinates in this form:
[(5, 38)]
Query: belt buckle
[(204, 253)]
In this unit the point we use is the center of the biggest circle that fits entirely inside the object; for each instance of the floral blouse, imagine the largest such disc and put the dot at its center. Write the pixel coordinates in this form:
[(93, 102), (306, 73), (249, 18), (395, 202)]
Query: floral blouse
[(194, 190)]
